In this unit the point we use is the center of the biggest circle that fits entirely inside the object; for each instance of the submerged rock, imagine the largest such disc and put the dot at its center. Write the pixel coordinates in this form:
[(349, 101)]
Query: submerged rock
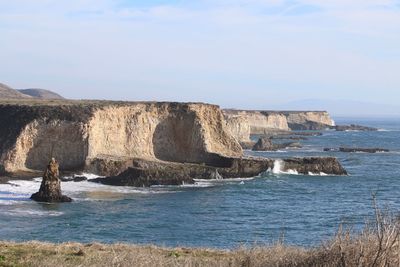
[(356, 149), (354, 127), (308, 126), (75, 178), (50, 189), (306, 166)]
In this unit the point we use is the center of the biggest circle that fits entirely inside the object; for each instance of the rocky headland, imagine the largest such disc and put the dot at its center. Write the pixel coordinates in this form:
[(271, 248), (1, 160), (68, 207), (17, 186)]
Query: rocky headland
[(243, 123), (148, 142)]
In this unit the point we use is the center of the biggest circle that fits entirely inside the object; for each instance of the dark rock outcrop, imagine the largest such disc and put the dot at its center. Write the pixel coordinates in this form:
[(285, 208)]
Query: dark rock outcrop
[(144, 173), (356, 149), (75, 178), (265, 144), (50, 189), (354, 127), (316, 165), (308, 126)]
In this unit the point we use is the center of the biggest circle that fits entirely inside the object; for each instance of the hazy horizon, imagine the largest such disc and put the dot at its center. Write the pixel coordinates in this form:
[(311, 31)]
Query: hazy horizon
[(254, 54)]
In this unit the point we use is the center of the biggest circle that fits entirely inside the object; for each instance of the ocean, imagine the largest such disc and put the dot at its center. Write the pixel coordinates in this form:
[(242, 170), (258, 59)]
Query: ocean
[(300, 210)]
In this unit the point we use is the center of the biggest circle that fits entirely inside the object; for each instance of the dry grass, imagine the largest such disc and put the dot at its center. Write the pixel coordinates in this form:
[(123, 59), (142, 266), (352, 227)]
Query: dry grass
[(377, 245)]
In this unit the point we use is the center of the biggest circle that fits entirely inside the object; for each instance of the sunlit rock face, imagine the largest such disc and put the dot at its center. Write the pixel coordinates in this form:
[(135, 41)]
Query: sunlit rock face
[(76, 133), (242, 124)]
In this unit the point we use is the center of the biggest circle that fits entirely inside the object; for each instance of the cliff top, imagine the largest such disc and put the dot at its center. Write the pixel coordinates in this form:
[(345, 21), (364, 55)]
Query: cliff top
[(284, 112), (89, 103)]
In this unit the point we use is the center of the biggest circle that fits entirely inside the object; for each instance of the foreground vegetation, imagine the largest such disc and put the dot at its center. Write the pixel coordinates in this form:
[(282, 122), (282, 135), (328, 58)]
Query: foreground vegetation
[(377, 245)]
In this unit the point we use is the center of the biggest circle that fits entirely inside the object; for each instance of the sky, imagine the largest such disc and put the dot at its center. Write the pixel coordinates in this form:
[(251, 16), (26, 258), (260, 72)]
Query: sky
[(252, 54)]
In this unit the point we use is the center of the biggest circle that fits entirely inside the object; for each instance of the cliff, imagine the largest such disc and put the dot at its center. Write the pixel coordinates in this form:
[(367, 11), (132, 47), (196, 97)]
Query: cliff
[(77, 132), (244, 123), (308, 120)]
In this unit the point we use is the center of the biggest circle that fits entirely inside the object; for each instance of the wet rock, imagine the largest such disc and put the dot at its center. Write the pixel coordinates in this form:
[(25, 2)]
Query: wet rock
[(50, 189), (79, 178), (354, 127), (356, 149), (288, 145), (265, 144), (308, 126), (327, 165), (75, 178), (146, 173), (331, 149)]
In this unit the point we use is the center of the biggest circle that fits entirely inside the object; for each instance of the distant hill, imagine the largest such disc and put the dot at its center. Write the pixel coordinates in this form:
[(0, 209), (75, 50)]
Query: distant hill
[(6, 92), (40, 93)]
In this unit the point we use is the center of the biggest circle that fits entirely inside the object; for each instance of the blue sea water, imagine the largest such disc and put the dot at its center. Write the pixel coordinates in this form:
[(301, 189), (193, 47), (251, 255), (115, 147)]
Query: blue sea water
[(305, 210)]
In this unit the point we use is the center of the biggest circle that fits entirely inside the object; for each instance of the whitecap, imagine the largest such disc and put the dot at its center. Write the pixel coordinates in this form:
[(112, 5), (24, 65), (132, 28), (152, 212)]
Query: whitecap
[(21, 190), (197, 185), (279, 168), (317, 174), (21, 212)]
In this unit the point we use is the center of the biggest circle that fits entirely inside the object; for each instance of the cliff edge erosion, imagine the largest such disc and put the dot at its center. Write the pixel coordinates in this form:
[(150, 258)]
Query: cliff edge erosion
[(145, 141), (244, 123)]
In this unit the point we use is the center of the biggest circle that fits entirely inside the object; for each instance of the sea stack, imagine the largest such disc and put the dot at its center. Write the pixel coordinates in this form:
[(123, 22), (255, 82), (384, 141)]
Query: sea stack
[(50, 189)]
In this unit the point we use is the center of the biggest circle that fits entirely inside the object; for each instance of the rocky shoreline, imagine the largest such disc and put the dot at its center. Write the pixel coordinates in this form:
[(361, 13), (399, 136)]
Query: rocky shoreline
[(134, 143)]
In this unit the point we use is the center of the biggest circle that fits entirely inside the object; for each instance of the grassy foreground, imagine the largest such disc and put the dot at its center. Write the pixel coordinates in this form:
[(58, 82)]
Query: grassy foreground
[(364, 250), (377, 245)]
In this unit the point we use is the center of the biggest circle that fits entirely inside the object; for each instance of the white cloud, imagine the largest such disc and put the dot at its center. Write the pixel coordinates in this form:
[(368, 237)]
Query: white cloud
[(217, 46)]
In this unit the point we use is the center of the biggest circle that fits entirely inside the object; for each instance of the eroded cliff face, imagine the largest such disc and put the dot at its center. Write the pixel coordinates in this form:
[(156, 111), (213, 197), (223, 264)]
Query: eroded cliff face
[(309, 120), (78, 133), (243, 124), (41, 140)]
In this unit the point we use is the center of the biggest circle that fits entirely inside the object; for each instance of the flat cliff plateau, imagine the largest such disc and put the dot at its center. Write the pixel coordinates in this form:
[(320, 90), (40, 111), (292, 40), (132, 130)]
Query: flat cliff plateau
[(244, 123), (144, 143)]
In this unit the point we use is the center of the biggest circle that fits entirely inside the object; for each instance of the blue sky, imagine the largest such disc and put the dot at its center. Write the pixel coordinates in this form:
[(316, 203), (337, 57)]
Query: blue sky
[(236, 53)]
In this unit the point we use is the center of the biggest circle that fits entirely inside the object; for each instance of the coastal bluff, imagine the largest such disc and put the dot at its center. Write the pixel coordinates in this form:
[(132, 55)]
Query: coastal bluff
[(77, 132), (131, 143), (244, 123)]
